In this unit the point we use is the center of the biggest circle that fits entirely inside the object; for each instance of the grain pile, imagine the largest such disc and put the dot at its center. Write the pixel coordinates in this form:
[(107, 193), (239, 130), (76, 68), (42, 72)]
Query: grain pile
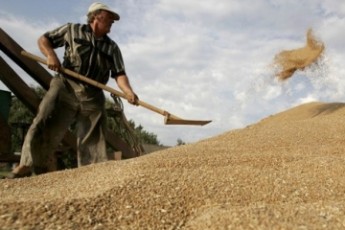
[(285, 172), (289, 61)]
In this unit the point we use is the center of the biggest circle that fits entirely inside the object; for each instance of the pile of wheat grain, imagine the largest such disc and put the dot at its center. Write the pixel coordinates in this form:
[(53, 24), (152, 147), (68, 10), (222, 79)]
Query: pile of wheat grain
[(285, 172)]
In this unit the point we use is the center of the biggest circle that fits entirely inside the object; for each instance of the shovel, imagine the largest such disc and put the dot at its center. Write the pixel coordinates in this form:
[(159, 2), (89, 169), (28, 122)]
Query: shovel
[(170, 119)]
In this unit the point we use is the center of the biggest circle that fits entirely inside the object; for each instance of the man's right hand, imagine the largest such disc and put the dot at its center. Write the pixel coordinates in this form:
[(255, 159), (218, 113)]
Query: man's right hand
[(46, 48), (53, 63), (132, 98)]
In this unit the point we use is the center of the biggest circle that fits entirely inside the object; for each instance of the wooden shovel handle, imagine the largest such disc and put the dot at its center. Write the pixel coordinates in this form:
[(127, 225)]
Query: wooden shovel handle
[(99, 85)]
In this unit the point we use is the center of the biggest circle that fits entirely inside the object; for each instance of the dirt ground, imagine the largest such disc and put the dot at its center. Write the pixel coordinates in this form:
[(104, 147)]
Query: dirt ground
[(284, 172)]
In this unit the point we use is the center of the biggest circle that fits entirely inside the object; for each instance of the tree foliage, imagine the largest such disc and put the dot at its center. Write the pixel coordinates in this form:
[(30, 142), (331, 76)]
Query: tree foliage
[(20, 118), (180, 142), (144, 136)]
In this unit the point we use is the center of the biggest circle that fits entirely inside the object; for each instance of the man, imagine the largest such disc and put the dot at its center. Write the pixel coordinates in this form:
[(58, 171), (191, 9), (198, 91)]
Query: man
[(89, 52)]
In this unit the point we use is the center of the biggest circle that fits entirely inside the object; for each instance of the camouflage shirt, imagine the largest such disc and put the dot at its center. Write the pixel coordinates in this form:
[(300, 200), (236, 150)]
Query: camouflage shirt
[(94, 58)]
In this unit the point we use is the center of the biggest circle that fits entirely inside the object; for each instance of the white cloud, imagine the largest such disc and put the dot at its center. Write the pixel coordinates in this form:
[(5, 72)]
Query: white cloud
[(307, 99)]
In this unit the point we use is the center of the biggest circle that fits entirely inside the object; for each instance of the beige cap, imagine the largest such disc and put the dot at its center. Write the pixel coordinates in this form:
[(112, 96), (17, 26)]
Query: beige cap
[(100, 6)]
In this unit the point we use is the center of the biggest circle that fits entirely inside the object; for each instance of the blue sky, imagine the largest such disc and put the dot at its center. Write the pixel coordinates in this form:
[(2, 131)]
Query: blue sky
[(204, 59)]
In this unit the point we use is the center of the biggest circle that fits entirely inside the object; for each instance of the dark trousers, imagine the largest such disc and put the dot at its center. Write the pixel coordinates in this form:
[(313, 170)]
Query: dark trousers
[(66, 102)]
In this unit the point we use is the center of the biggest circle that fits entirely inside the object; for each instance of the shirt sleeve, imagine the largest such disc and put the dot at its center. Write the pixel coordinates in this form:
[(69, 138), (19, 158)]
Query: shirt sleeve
[(57, 36), (119, 66)]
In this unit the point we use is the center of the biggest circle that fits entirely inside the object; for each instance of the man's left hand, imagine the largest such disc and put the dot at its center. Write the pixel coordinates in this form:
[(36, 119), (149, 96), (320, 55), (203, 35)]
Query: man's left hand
[(132, 98)]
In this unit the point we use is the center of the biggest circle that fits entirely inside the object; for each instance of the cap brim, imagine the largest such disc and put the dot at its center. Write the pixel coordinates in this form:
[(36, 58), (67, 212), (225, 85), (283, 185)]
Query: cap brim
[(115, 15)]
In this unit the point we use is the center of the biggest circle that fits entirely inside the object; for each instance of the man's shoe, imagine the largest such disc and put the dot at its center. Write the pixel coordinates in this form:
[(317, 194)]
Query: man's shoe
[(19, 172)]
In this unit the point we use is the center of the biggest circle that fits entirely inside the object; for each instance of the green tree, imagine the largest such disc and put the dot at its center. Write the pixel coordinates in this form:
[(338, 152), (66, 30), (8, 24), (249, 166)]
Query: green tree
[(144, 136), (180, 142), (20, 118)]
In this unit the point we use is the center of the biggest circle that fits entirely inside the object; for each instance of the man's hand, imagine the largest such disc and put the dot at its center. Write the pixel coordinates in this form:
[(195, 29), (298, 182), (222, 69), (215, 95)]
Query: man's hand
[(132, 98), (53, 63), (46, 48), (125, 86)]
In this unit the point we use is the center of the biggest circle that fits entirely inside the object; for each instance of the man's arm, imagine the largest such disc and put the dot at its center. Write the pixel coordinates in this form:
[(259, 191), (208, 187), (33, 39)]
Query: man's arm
[(46, 48), (123, 83)]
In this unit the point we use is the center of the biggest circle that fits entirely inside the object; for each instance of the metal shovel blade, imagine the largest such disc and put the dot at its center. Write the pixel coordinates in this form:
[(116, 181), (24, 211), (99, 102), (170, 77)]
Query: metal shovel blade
[(168, 120)]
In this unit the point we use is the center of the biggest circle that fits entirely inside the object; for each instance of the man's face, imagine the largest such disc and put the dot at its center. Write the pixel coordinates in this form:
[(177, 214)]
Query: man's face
[(104, 20)]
